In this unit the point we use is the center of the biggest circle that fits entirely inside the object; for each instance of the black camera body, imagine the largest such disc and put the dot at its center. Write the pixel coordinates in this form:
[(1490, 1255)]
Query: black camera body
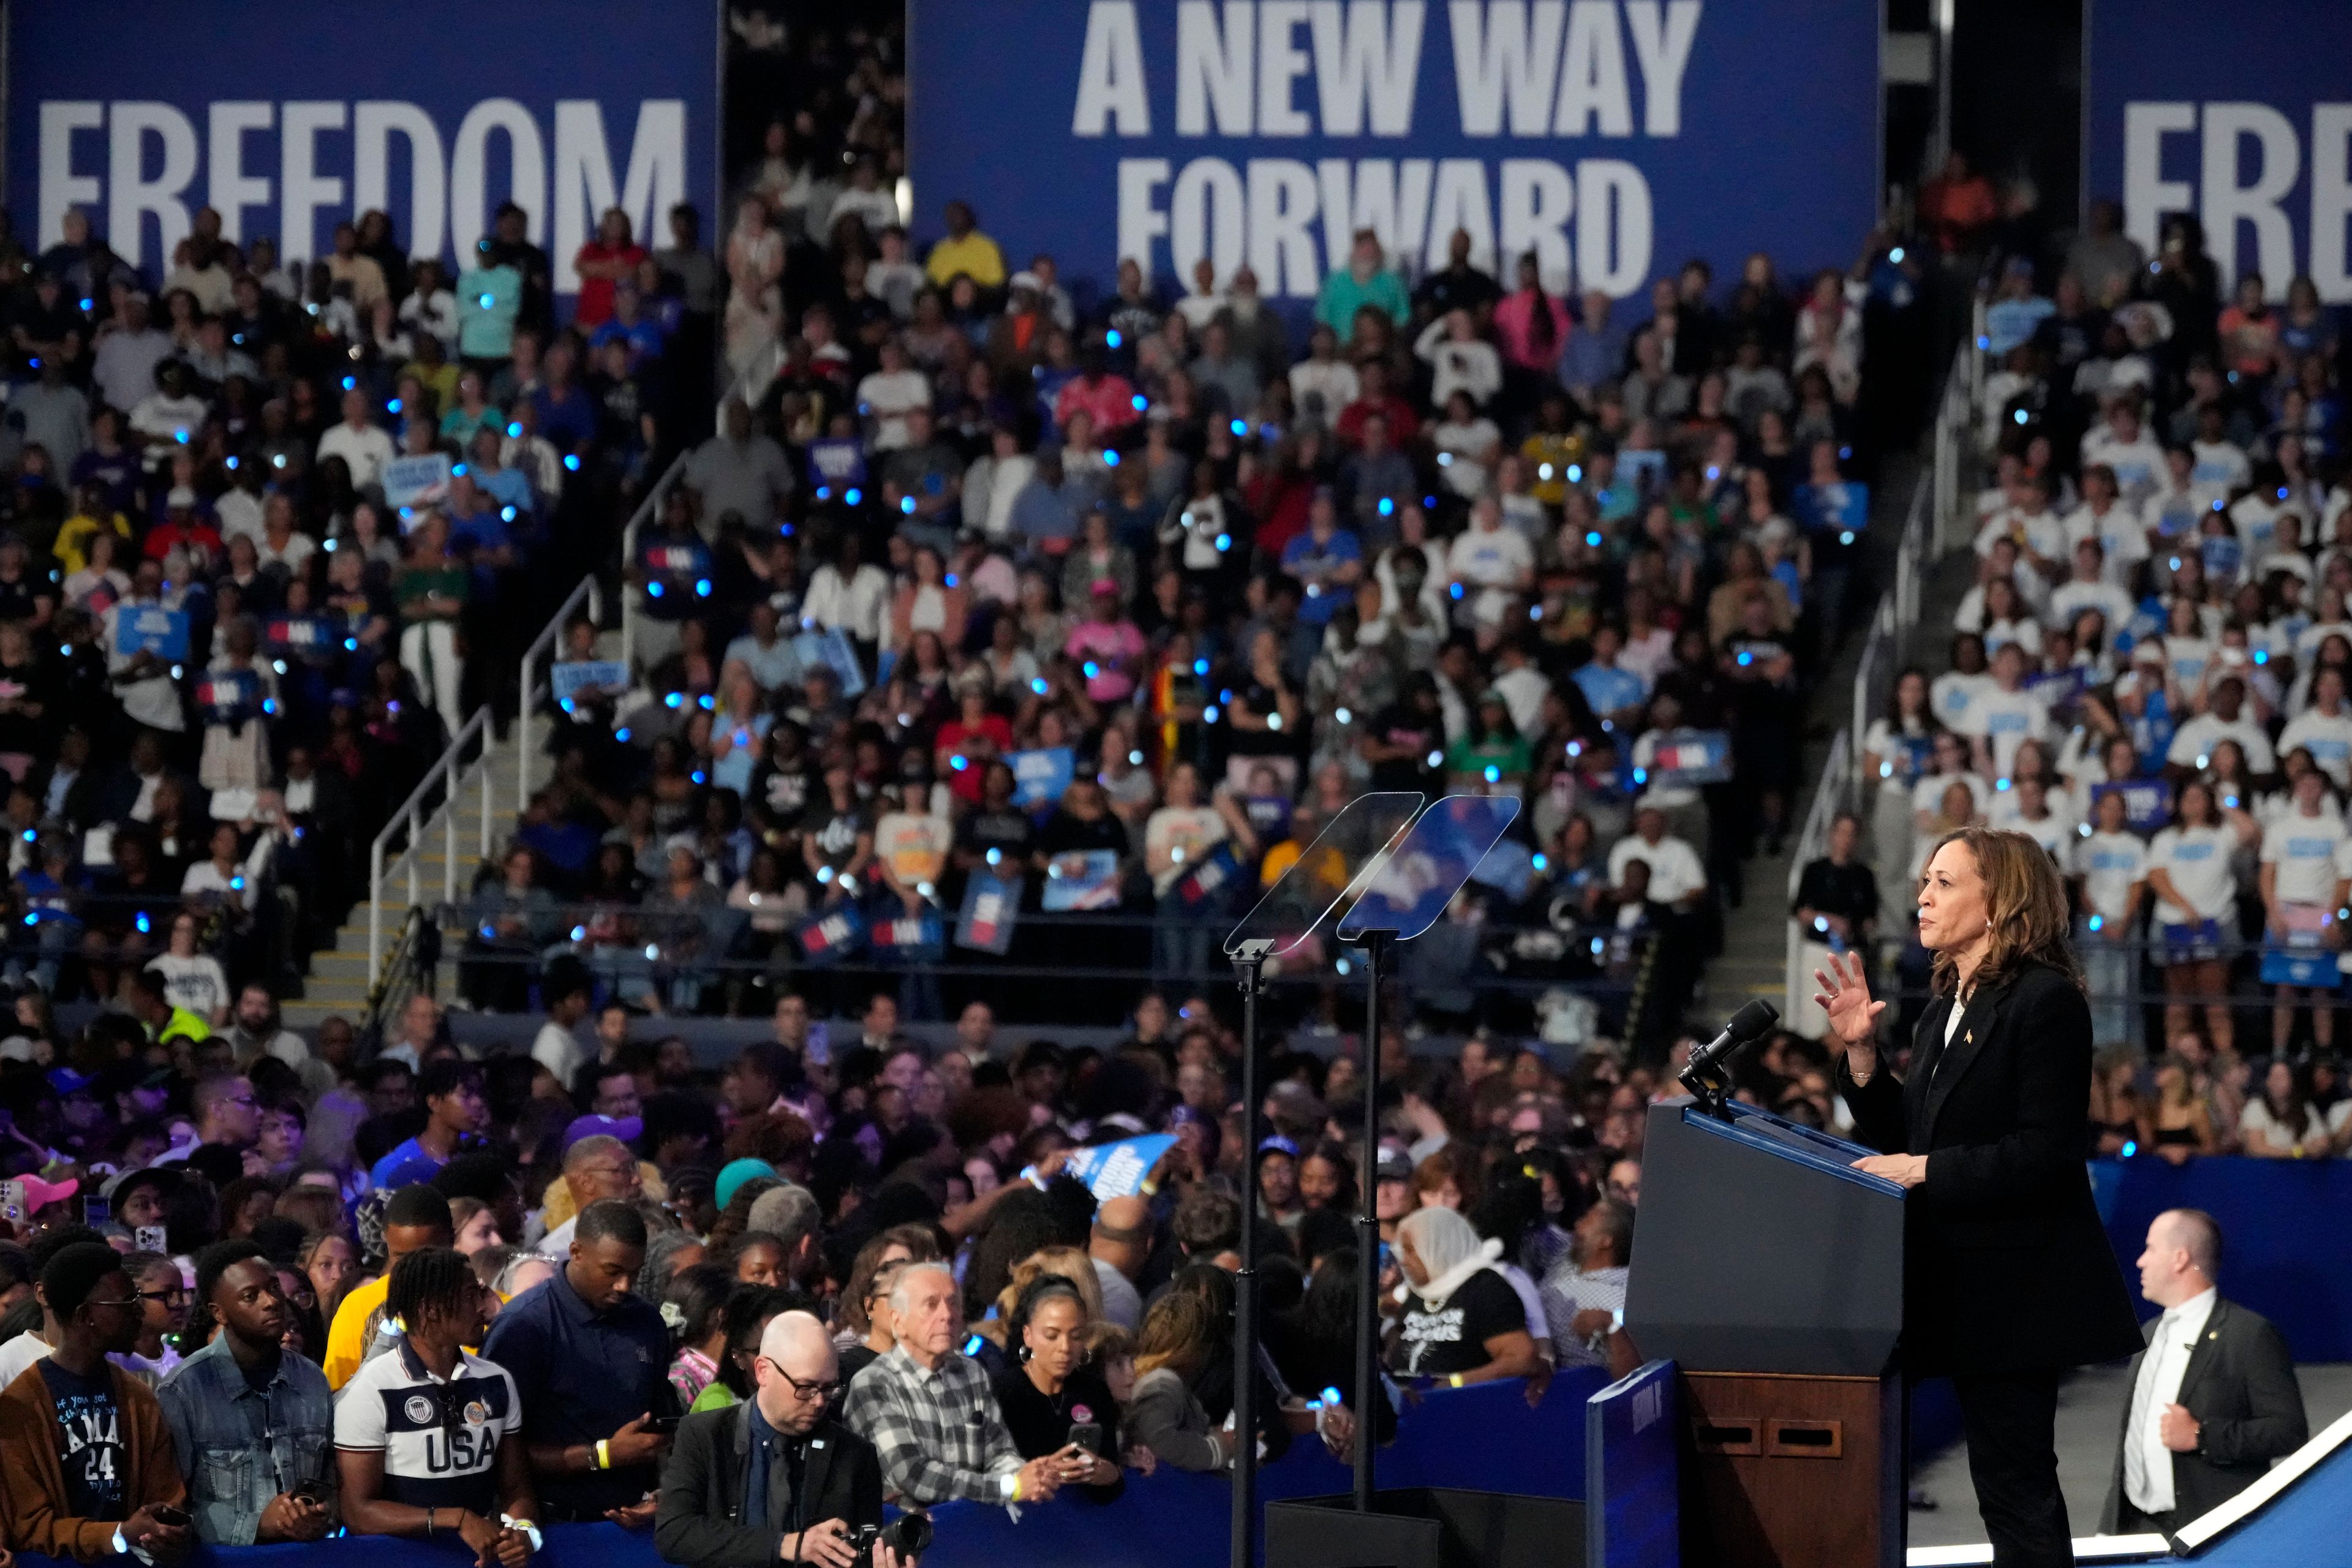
[(908, 1535)]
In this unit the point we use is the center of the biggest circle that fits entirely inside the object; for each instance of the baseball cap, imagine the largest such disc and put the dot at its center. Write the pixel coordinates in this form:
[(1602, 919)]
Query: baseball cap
[(1395, 1165), (624, 1128)]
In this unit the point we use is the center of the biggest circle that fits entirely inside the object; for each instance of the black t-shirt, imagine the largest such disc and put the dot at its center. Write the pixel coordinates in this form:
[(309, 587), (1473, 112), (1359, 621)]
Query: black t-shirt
[(780, 796), (1453, 1338), (1423, 734), (90, 1450), (1007, 831)]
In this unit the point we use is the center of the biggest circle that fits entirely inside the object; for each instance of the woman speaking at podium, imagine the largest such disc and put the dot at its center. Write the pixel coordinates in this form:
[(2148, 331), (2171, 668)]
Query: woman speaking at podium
[(2009, 1280)]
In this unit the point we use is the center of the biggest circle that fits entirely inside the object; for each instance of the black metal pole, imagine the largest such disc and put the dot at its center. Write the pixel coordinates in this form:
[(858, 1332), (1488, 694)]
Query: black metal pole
[(1248, 965), (1368, 1228)]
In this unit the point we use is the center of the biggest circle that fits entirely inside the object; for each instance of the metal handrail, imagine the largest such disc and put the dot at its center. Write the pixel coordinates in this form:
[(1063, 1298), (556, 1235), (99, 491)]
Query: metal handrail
[(632, 600), (402, 964), (1812, 842), (549, 636), (447, 770)]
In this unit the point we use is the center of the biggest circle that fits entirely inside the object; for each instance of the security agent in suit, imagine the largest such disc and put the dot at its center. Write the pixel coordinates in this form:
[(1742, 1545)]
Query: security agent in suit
[(2009, 1278), (2203, 1422), (773, 1479)]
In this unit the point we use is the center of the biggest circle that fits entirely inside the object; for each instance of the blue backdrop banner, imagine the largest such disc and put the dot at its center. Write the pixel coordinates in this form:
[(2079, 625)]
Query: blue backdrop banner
[(1616, 139), (2239, 114), (288, 118), (2281, 1254)]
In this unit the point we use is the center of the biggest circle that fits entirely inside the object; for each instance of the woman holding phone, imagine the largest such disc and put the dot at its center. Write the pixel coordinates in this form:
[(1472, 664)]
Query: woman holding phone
[(2010, 1281), (1054, 1400)]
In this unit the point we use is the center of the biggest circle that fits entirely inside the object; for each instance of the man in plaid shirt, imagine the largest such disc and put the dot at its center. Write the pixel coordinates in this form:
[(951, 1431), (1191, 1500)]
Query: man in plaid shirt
[(930, 1414)]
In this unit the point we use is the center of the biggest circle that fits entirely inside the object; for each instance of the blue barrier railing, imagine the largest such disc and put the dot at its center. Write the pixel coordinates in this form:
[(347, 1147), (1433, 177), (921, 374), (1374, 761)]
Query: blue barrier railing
[(1483, 1438)]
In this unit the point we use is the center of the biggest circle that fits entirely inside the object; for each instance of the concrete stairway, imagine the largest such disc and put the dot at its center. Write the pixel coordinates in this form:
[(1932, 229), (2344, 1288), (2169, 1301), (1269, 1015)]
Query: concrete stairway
[(338, 982)]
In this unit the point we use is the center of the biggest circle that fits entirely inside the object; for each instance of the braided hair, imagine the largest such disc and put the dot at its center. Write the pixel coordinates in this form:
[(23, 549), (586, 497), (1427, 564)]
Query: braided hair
[(429, 1281)]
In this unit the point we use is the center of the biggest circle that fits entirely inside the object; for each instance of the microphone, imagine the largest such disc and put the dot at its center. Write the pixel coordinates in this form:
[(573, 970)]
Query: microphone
[(1746, 1026)]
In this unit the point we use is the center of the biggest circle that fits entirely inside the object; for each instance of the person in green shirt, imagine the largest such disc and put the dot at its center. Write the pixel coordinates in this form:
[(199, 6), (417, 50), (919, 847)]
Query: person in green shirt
[(1491, 752), (1363, 281), (432, 590)]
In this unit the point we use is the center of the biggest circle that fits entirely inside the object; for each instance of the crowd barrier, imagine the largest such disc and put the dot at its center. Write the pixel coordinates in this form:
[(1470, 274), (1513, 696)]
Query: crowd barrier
[(2284, 1253), (1483, 1438)]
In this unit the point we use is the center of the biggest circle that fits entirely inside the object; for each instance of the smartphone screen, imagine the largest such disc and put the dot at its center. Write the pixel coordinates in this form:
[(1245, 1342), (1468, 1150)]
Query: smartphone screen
[(96, 1212)]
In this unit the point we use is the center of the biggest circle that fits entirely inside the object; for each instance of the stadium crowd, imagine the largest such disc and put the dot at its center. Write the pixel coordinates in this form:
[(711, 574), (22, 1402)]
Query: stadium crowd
[(260, 1291), (1103, 598), (2148, 676), (269, 530)]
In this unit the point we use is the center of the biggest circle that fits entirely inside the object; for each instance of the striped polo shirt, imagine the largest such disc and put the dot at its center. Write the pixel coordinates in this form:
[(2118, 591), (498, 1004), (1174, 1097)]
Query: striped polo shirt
[(439, 1440)]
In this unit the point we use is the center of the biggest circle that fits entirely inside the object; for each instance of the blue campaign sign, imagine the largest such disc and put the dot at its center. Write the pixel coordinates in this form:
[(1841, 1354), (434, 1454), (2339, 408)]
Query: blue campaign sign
[(1686, 757), (288, 122), (2235, 113), (991, 910), (1843, 507), (1082, 880), (2147, 803), (1613, 137), (1117, 1170), (152, 628), (569, 679), (1040, 778)]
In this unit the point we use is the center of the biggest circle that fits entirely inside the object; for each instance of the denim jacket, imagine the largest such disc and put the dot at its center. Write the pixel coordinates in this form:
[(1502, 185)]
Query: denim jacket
[(237, 1449)]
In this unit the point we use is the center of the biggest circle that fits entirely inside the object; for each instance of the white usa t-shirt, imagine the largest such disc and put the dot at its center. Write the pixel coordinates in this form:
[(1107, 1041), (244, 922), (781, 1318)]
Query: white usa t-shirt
[(2197, 861), (2328, 740), (2109, 863), (2007, 720), (2304, 849)]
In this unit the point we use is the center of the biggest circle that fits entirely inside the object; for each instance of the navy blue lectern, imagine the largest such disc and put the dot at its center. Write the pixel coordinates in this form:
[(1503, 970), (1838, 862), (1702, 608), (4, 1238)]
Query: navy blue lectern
[(1771, 1273)]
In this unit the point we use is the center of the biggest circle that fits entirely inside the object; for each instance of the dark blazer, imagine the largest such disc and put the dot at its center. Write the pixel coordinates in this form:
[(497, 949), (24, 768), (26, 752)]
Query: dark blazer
[(699, 1520), (2008, 1269), (2240, 1384)]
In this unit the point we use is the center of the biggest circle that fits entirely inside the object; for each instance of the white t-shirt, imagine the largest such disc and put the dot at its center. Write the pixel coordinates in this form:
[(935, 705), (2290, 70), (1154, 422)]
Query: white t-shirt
[(194, 983), (2139, 463), (2121, 533), (2109, 863), (2328, 739), (886, 397), (1676, 872), (2055, 833), (2037, 532), (2197, 861), (2193, 742), (1927, 795), (1953, 696), (2007, 720), (2071, 599), (559, 1051), (366, 450), (2304, 849), (1183, 835)]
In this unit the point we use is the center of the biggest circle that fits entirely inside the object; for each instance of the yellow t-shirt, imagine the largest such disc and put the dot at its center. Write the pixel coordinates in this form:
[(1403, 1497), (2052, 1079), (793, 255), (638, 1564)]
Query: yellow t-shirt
[(975, 254), (354, 1325)]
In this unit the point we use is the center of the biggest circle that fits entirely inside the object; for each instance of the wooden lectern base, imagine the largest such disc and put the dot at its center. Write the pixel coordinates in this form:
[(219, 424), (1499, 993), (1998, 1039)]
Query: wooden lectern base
[(1789, 1471)]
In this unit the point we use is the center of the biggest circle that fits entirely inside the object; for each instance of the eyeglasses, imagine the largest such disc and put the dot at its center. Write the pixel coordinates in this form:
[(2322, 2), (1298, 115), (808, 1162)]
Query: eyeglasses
[(820, 1392), (170, 1298)]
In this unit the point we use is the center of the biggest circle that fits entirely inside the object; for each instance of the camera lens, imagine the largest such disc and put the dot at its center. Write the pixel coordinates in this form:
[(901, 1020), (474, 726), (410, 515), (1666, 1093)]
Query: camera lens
[(911, 1534)]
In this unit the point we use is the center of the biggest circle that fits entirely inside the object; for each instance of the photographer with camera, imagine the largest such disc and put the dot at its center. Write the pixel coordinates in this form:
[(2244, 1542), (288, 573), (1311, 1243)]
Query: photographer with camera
[(776, 1479)]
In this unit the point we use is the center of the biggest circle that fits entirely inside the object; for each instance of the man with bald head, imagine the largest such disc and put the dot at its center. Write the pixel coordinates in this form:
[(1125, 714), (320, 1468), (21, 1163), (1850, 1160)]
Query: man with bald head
[(2214, 1397), (1120, 1244), (776, 1478)]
